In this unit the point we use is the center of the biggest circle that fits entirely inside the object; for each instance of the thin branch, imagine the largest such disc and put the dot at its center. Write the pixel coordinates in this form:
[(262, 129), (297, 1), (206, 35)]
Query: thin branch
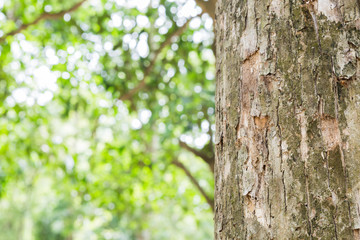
[(148, 70), (44, 16), (208, 7), (211, 140), (209, 160), (208, 199)]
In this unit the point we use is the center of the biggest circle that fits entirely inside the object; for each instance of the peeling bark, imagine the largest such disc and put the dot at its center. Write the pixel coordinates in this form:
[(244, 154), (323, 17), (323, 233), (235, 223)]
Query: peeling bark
[(287, 119)]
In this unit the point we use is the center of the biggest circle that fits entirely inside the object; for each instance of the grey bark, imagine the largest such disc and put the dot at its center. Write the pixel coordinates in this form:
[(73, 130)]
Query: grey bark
[(287, 116)]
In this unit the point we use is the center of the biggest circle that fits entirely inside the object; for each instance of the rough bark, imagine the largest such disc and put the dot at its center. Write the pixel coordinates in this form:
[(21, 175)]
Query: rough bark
[(287, 116)]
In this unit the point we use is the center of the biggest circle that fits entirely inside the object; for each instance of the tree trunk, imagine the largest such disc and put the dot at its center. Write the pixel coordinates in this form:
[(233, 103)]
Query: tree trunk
[(288, 126)]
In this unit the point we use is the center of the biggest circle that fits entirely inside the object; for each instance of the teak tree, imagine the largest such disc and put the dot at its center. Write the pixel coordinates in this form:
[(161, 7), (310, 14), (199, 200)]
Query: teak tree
[(287, 116)]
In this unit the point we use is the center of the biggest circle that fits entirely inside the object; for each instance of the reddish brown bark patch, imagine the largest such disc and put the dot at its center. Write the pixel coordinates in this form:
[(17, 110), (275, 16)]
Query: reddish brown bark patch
[(356, 234), (250, 73), (261, 122), (330, 133)]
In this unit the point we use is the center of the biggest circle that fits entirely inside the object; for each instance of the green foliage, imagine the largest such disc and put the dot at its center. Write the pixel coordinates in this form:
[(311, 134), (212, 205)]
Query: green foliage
[(78, 161)]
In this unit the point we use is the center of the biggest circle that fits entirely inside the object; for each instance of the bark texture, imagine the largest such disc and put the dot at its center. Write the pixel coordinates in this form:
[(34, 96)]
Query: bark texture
[(288, 126)]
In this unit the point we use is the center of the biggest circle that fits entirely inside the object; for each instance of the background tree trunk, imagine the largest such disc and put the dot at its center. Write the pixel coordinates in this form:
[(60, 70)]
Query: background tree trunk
[(288, 128)]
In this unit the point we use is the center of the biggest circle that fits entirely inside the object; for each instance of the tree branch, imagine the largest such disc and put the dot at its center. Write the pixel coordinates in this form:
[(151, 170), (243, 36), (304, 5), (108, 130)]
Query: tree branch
[(209, 160), (44, 16), (207, 7), (148, 70), (208, 199), (211, 139)]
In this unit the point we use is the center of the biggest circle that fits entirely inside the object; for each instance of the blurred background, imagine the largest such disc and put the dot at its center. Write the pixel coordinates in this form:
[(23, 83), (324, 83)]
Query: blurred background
[(107, 119)]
